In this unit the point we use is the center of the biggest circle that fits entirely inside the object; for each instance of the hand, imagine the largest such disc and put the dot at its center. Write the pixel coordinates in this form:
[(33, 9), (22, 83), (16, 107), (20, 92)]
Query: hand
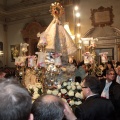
[(68, 112)]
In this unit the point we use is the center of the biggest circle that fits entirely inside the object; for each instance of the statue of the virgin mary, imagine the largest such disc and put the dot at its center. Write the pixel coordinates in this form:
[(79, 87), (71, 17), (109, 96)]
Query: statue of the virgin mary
[(55, 37)]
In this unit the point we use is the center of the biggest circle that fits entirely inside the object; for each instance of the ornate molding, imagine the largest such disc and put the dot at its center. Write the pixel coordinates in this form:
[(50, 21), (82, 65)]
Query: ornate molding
[(29, 34), (102, 16), (31, 30)]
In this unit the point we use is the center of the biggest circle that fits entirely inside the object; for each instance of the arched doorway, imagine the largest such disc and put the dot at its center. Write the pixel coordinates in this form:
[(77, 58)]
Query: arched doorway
[(30, 36)]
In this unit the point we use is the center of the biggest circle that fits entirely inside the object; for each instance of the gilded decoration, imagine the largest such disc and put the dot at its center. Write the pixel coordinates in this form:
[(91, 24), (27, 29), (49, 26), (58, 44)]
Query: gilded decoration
[(56, 10)]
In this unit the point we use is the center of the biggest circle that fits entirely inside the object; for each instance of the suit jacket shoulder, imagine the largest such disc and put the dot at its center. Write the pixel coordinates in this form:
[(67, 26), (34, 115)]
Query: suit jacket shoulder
[(95, 108)]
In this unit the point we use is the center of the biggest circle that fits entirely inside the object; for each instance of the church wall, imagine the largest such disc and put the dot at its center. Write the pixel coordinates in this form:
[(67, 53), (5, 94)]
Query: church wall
[(85, 7), (2, 38), (14, 38)]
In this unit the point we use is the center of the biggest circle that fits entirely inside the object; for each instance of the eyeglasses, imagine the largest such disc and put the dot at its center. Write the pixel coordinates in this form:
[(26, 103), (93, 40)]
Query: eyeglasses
[(111, 74), (83, 86)]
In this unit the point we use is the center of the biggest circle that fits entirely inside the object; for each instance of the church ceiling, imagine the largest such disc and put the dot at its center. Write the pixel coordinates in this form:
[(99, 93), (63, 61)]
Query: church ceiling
[(12, 10), (9, 3)]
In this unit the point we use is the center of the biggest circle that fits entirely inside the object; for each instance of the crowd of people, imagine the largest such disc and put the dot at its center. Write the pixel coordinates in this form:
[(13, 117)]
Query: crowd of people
[(109, 89), (16, 104), (98, 70), (101, 98)]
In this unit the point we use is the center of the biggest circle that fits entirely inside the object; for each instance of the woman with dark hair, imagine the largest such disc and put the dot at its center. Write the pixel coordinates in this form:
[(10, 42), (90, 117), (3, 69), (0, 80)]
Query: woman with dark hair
[(109, 65)]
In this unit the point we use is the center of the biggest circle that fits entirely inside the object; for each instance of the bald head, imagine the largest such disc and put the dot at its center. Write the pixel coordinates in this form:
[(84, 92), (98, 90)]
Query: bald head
[(48, 107), (50, 99)]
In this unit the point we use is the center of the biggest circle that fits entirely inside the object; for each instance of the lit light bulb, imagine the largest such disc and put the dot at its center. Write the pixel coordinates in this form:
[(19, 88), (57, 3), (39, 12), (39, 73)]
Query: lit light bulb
[(80, 41), (77, 14), (80, 47), (76, 8), (78, 35), (78, 24)]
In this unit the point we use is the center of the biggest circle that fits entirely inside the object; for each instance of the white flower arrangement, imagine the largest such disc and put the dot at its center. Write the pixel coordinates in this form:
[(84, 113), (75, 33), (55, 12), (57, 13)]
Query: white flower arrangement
[(71, 102), (35, 90), (65, 84), (55, 92), (73, 87), (63, 91), (59, 86), (69, 91)]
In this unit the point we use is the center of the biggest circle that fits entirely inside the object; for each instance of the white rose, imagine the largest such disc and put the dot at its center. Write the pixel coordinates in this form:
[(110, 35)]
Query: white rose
[(73, 83), (77, 95), (73, 87), (65, 84), (69, 83), (35, 89), (55, 92), (35, 96), (63, 91), (71, 93), (68, 87), (49, 91), (78, 102), (59, 94), (29, 86), (35, 92), (59, 86), (39, 85), (71, 102), (77, 83), (79, 87)]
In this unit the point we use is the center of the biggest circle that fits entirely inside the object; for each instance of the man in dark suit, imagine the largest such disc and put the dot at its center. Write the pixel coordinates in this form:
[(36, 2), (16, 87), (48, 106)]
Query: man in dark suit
[(94, 107), (111, 90)]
